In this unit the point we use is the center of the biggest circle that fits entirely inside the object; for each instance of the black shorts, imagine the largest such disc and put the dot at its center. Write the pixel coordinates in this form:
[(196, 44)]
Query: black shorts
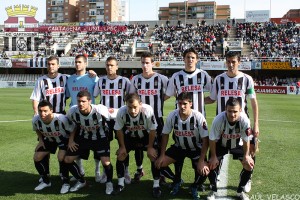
[(100, 147), (52, 146), (180, 154), (237, 152), (132, 143)]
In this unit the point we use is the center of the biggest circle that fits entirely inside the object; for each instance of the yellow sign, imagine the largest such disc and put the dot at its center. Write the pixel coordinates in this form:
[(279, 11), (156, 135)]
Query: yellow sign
[(21, 10), (276, 65)]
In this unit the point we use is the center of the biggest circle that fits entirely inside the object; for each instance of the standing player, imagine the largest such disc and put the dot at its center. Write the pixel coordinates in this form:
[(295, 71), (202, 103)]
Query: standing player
[(191, 140), (230, 133), (236, 84), (53, 131), (80, 81), (136, 129), (91, 120), (194, 81), (151, 87), (50, 87), (112, 89)]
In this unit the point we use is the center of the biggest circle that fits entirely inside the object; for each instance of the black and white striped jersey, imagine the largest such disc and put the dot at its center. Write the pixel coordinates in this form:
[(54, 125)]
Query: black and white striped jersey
[(225, 87), (187, 133), (60, 127), (196, 83), (52, 90), (92, 126), (112, 92), (230, 135), (138, 126), (151, 91)]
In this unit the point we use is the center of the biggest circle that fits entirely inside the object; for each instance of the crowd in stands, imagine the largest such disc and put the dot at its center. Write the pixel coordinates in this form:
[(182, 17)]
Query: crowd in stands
[(275, 81), (270, 39), (173, 40), (99, 45)]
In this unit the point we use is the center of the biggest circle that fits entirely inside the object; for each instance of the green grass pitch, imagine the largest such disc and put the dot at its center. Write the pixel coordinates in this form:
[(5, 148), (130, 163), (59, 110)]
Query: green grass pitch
[(276, 174)]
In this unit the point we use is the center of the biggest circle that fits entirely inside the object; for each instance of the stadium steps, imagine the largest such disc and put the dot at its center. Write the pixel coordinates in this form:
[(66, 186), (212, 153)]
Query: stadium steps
[(246, 51)]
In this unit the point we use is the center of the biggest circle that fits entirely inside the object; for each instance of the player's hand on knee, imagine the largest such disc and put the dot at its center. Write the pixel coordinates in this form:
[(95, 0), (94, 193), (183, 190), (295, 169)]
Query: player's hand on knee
[(203, 168), (151, 153), (121, 154), (73, 146), (248, 163), (213, 163)]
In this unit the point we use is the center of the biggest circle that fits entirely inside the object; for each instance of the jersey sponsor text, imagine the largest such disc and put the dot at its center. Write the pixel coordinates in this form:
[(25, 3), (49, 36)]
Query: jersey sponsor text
[(191, 88), (236, 93), (147, 92), (57, 90), (184, 133), (111, 92)]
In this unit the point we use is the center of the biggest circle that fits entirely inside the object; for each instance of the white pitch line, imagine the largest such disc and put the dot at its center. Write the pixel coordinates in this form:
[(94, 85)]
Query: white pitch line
[(12, 121), (222, 184)]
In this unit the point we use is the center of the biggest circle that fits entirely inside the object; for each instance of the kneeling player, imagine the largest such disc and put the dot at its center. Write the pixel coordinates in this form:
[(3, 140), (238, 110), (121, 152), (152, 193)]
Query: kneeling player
[(53, 131), (191, 140), (136, 130), (91, 122), (230, 133)]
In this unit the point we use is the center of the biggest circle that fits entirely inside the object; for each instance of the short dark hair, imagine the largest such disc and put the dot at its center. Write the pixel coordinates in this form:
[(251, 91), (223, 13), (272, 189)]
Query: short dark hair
[(185, 96), (190, 50), (44, 103), (110, 58), (130, 98), (53, 58), (231, 54), (81, 56), (233, 102), (147, 54), (84, 93)]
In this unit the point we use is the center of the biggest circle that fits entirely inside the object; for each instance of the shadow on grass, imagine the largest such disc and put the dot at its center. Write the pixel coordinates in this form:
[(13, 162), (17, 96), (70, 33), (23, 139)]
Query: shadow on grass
[(18, 183)]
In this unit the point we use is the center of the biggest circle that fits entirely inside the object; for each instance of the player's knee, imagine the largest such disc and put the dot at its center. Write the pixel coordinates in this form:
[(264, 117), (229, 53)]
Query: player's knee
[(38, 157), (68, 159)]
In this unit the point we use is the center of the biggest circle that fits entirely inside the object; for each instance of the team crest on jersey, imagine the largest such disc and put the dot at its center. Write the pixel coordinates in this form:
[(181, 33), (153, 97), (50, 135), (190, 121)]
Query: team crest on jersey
[(237, 129), (120, 85), (156, 83), (61, 83), (248, 131), (176, 126), (192, 126), (199, 80), (95, 121), (57, 127), (141, 122), (239, 86), (204, 126), (74, 81)]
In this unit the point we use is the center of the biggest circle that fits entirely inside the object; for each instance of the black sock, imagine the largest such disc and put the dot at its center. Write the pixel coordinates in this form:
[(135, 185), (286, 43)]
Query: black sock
[(155, 171), (167, 172), (212, 176), (244, 178), (46, 161), (178, 170), (75, 171), (41, 168), (64, 172), (120, 168), (139, 157), (109, 172)]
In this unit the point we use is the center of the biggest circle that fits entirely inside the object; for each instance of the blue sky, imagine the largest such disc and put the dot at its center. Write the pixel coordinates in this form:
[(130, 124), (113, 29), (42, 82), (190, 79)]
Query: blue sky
[(141, 10)]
